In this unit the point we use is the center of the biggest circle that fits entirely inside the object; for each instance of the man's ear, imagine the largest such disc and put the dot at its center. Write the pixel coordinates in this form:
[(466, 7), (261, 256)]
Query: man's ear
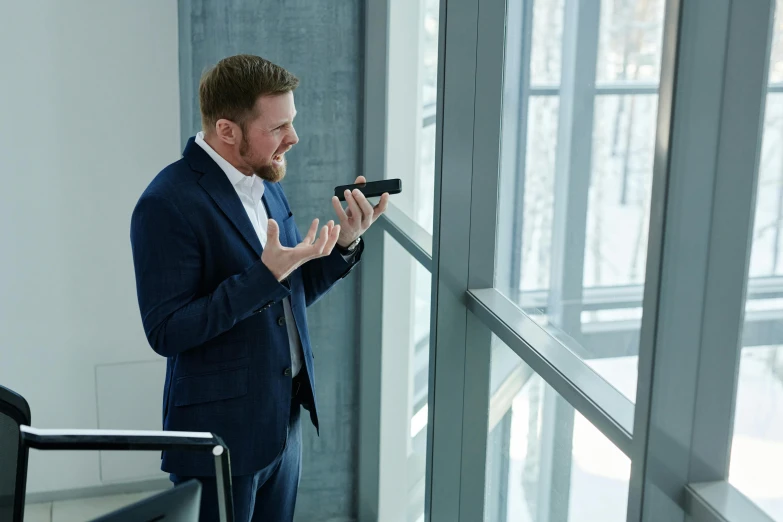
[(227, 131)]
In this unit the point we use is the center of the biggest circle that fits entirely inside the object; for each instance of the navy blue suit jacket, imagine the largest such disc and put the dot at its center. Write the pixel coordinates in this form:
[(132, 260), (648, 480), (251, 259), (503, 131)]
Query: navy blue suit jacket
[(214, 310)]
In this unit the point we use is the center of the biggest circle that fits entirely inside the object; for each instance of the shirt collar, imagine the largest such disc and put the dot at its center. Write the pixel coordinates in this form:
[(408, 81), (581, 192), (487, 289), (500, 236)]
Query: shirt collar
[(236, 178)]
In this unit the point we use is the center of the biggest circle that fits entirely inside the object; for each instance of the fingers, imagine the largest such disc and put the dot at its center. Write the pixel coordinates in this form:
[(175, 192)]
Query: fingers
[(323, 238), (353, 206), (339, 210), (326, 240), (366, 208), (333, 237), (360, 179), (272, 232), (380, 208), (310, 237)]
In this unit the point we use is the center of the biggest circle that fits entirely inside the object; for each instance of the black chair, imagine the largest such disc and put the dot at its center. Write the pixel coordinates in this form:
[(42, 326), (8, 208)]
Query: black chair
[(14, 413), (17, 436)]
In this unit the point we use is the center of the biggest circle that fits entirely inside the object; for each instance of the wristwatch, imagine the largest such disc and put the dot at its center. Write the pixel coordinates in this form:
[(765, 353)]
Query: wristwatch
[(350, 248)]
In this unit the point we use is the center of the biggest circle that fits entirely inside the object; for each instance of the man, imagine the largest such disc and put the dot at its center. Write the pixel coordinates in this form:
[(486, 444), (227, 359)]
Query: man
[(224, 278)]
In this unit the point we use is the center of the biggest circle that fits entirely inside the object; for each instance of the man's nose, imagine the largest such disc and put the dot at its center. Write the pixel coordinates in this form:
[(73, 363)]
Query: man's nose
[(294, 138)]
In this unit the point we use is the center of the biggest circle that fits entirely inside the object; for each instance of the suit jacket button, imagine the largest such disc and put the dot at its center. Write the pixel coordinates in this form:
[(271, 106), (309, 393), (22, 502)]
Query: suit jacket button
[(287, 372), (280, 321)]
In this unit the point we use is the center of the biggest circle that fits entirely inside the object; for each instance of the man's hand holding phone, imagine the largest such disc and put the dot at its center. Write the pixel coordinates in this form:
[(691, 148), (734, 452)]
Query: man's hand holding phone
[(282, 261), (360, 214)]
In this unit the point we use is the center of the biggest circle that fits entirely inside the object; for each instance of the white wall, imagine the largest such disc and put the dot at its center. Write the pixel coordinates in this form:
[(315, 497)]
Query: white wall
[(89, 109)]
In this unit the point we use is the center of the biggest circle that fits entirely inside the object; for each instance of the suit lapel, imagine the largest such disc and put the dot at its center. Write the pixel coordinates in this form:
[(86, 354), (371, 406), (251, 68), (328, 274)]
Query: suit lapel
[(217, 185), (276, 211)]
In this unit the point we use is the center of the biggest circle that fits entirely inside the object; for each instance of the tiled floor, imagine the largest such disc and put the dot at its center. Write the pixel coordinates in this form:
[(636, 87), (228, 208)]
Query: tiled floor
[(79, 510)]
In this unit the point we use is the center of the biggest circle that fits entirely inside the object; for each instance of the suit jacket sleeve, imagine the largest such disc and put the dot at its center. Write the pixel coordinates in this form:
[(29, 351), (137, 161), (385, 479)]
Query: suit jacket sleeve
[(167, 262)]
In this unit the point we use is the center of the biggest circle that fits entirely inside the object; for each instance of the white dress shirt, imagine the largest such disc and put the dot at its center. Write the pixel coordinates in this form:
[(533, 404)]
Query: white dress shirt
[(250, 189)]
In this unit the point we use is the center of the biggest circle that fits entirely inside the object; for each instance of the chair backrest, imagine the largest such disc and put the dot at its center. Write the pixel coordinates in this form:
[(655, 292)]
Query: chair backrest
[(14, 412)]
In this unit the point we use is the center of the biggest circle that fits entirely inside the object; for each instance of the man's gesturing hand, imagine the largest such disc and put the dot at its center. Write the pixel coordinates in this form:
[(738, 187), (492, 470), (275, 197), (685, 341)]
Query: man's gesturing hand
[(281, 261)]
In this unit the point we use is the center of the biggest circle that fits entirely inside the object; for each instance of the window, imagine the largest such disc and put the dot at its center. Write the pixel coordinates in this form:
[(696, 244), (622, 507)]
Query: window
[(579, 118), (406, 324), (544, 460), (619, 141), (413, 68)]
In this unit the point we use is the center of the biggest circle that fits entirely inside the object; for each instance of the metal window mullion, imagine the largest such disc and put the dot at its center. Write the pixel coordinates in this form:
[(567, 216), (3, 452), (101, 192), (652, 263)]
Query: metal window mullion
[(739, 152), (457, 54), (488, 108), (714, 76), (513, 150)]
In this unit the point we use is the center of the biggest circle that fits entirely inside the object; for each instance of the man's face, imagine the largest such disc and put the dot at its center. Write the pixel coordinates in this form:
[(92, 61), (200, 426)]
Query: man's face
[(267, 138)]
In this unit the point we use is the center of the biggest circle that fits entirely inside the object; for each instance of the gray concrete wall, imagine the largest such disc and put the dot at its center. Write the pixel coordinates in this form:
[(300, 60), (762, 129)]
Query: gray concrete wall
[(321, 41)]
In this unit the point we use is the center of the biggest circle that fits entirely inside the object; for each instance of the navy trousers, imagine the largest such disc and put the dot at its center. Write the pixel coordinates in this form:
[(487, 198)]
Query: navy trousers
[(268, 495)]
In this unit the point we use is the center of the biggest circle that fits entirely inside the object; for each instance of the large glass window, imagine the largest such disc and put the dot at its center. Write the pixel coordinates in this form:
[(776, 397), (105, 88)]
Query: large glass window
[(545, 461), (413, 78), (578, 92), (406, 340), (757, 446), (579, 119)]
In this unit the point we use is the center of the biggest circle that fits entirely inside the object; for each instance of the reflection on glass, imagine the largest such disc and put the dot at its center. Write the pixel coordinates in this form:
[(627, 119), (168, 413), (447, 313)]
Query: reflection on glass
[(588, 297), (545, 461)]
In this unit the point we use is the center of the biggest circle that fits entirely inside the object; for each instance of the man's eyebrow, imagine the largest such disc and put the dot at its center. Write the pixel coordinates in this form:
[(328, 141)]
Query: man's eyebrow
[(283, 122)]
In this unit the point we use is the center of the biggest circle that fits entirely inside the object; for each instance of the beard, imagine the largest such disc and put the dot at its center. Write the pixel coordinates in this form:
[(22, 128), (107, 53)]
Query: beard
[(266, 171)]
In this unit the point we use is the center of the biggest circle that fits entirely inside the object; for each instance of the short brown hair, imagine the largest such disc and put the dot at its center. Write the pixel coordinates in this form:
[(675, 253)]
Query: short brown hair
[(230, 89)]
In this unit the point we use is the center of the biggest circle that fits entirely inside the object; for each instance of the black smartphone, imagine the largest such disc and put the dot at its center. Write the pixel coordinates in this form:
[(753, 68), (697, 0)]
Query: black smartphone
[(371, 188)]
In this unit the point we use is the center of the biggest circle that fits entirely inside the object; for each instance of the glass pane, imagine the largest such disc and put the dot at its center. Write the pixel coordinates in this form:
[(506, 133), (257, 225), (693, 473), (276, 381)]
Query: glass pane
[(545, 462), (574, 203), (776, 65), (629, 48), (539, 184), (757, 447), (426, 179), (429, 52), (406, 342), (547, 45), (412, 81), (425, 189), (620, 183)]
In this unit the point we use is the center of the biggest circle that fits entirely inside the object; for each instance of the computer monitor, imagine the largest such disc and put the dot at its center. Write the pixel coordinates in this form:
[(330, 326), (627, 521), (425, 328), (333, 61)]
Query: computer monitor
[(181, 503)]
